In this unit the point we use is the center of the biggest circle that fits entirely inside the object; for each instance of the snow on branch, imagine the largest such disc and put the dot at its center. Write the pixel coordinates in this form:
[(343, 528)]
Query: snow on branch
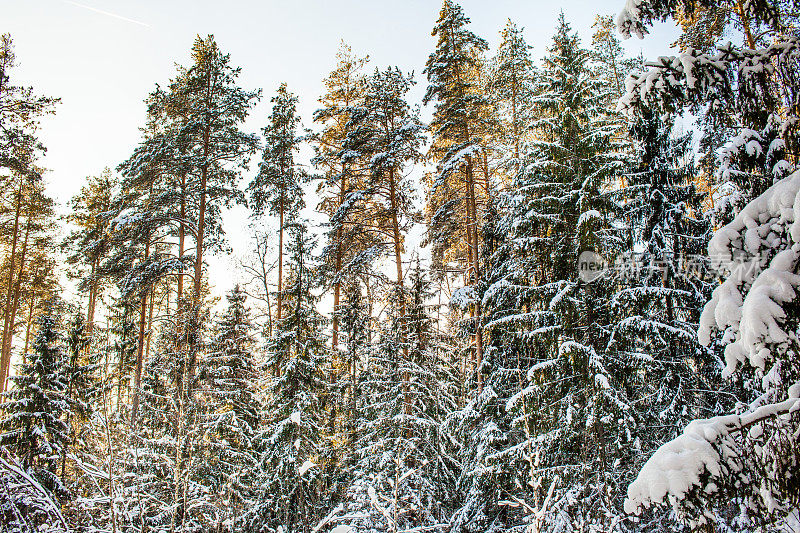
[(693, 76), (761, 248), (24, 503), (678, 466)]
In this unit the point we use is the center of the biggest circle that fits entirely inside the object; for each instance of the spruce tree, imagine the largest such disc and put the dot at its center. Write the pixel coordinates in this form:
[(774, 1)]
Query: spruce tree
[(290, 441), (349, 389), (749, 317), (550, 391), (229, 397), (33, 425), (403, 468), (486, 431), (82, 385), (662, 283)]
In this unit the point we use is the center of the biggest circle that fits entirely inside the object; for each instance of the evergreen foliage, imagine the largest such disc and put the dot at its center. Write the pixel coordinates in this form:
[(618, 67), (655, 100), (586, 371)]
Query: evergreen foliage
[(567, 304)]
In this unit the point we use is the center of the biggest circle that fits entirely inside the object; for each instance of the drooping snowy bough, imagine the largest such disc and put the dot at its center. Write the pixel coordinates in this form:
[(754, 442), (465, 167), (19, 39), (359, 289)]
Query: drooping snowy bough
[(25, 505), (751, 457)]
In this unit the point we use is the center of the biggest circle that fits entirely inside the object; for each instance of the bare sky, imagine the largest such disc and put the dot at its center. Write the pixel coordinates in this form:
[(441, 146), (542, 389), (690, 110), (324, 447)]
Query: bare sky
[(102, 57)]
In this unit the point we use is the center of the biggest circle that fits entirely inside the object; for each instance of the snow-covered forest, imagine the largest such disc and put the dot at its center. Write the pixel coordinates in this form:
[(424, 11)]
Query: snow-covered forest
[(596, 328)]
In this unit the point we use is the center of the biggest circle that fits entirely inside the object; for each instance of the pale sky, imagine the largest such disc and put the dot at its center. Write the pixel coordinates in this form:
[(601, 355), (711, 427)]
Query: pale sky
[(102, 57)]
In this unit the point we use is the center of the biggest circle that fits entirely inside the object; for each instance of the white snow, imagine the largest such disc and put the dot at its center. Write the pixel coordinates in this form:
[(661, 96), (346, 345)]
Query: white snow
[(675, 468), (306, 466), (747, 306)]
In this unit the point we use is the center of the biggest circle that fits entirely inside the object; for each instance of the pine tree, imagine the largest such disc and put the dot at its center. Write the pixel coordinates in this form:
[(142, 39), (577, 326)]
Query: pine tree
[(278, 184), (394, 134), (610, 62), (91, 211), (512, 84), (388, 134), (20, 112), (29, 222), (454, 198), (344, 177), (218, 150), (143, 223)]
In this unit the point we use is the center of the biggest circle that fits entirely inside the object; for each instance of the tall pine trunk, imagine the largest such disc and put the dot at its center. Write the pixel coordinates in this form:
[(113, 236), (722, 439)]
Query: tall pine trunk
[(5, 358), (93, 289), (398, 260), (280, 260), (18, 289), (472, 230), (137, 377), (28, 329), (181, 237)]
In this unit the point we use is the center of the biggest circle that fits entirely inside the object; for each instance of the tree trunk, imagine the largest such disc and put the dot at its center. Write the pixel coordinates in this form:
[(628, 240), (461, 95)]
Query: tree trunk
[(5, 358), (137, 377), (93, 287), (743, 18), (472, 227), (17, 293), (201, 223), (398, 260), (201, 228), (514, 123), (150, 323), (337, 286), (181, 237), (280, 261), (28, 330)]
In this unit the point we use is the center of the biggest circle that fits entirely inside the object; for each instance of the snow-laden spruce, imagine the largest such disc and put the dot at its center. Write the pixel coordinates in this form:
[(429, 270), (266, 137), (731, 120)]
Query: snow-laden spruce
[(750, 456)]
